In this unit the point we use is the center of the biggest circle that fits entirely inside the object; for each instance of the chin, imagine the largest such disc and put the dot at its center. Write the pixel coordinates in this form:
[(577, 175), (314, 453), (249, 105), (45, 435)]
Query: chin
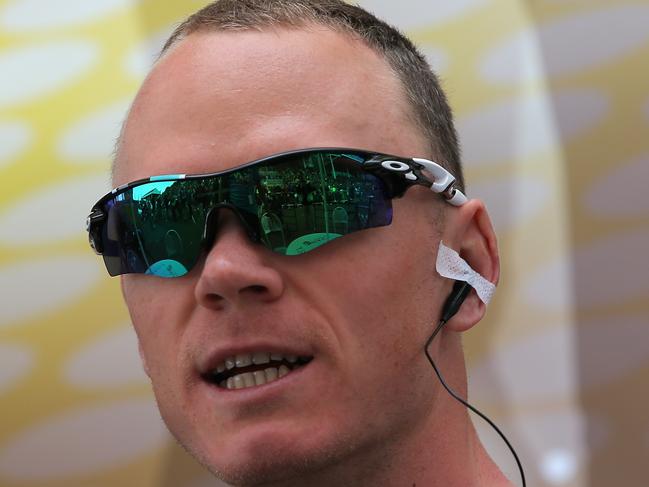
[(262, 471), (270, 458)]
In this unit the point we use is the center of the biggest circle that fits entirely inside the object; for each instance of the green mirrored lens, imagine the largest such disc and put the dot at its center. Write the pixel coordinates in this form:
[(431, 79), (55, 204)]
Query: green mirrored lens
[(291, 204), (158, 228), (309, 200)]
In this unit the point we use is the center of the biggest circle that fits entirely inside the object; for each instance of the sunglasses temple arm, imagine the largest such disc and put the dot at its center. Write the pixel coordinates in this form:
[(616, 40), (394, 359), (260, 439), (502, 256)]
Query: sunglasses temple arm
[(458, 198), (443, 182)]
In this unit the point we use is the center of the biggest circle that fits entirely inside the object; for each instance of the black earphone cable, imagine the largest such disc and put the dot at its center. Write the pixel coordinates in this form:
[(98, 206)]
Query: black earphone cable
[(460, 291)]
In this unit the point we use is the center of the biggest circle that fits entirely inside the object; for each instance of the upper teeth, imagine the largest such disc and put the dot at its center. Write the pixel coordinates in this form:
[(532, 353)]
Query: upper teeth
[(257, 358)]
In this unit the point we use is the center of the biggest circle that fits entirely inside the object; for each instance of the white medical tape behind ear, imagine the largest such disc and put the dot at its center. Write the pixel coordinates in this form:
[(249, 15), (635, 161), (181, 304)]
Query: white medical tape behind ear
[(450, 264)]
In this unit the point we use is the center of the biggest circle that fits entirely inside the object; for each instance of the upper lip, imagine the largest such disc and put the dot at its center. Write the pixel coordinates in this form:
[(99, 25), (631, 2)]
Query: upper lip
[(216, 357)]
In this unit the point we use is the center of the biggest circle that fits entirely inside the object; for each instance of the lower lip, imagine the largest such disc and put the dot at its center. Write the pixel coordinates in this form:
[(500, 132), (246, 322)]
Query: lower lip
[(275, 387)]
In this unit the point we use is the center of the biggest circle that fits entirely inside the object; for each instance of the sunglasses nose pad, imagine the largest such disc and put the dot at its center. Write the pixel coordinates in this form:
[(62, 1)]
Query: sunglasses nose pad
[(249, 222)]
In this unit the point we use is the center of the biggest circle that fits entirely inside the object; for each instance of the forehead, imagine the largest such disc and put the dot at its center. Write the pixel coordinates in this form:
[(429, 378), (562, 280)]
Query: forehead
[(219, 99)]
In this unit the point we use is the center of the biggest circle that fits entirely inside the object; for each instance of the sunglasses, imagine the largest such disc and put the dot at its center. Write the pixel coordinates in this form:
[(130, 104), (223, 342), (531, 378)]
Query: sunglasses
[(291, 203)]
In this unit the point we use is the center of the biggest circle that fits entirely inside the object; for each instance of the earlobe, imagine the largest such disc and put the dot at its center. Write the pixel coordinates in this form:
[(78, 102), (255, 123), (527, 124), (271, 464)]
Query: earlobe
[(470, 313), (474, 237)]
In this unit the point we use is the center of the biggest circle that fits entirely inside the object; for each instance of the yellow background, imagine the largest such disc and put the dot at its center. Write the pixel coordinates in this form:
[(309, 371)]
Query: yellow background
[(552, 104)]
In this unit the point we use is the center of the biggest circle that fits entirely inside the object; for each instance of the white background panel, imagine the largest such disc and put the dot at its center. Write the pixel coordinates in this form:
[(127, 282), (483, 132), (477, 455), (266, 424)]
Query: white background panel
[(31, 15), (612, 270), (516, 60), (92, 138), (429, 12), (518, 373), (15, 137), (512, 201), (621, 192), (571, 44), (33, 71), (42, 285), (68, 204), (84, 441), (16, 361), (518, 128), (552, 446), (109, 360), (525, 373)]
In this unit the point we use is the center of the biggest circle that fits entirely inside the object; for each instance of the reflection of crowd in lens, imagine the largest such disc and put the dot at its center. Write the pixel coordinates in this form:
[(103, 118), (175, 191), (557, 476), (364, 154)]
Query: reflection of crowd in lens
[(174, 203), (297, 194), (258, 191), (302, 186)]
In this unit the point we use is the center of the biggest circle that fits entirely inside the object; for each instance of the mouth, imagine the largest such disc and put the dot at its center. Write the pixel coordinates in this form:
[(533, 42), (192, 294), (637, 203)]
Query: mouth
[(247, 370)]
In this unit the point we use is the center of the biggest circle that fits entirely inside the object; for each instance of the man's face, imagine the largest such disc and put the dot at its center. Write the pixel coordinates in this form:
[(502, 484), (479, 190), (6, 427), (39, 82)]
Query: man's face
[(361, 306)]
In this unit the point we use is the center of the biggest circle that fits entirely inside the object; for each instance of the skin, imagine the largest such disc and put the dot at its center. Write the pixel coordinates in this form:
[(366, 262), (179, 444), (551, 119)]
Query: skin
[(368, 409)]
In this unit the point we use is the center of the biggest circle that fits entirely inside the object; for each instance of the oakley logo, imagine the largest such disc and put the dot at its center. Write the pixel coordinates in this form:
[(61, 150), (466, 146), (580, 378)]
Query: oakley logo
[(401, 167)]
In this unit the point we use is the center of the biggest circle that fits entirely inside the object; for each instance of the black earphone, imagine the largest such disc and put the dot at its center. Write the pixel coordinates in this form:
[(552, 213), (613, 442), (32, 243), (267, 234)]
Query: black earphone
[(459, 293), (451, 306)]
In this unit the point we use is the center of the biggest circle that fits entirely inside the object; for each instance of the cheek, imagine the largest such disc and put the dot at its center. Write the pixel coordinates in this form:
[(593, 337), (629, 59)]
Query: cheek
[(393, 296), (158, 309), (380, 298), (159, 313), (397, 315), (386, 381)]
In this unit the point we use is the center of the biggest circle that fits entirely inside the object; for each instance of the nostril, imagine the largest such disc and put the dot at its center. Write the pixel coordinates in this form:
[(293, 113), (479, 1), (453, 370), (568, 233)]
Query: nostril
[(257, 289), (214, 299)]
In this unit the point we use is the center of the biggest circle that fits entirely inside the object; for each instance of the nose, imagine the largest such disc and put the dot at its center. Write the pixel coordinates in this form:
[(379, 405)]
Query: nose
[(236, 271)]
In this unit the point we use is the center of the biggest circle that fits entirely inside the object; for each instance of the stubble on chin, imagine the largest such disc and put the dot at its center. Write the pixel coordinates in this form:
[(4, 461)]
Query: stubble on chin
[(274, 467)]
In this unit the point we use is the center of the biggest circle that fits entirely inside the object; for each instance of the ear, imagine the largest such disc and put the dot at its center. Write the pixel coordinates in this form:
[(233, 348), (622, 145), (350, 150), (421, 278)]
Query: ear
[(472, 235)]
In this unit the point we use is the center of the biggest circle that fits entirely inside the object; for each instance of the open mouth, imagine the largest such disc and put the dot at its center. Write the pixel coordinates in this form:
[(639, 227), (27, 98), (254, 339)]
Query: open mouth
[(255, 369)]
